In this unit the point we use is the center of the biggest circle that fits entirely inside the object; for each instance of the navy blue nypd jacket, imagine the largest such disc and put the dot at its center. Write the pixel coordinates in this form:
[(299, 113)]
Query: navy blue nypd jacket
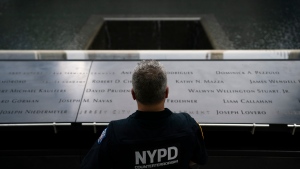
[(148, 140)]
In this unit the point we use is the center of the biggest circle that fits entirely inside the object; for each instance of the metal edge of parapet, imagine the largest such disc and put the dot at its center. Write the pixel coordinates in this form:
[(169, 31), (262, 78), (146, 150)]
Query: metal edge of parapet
[(33, 55), (149, 54), (153, 18)]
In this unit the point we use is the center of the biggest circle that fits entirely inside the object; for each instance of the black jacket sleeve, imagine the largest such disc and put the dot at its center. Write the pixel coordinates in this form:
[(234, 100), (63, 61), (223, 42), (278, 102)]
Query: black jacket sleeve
[(98, 156), (200, 154)]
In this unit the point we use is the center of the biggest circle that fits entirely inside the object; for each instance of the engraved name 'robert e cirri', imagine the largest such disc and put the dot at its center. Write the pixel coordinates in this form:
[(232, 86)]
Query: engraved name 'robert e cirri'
[(247, 101), (243, 112)]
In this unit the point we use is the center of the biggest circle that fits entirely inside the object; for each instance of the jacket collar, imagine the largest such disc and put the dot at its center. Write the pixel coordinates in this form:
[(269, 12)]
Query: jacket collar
[(152, 115)]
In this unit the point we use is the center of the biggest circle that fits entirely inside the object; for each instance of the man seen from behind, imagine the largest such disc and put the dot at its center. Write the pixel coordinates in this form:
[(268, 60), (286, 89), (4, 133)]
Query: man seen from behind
[(153, 136)]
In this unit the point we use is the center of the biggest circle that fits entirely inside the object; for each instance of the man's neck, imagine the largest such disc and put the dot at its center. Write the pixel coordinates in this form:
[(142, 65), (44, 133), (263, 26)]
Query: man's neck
[(154, 108)]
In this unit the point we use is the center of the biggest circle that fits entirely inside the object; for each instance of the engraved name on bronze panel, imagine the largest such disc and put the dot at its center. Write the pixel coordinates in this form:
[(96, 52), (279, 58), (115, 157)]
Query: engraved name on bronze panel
[(210, 91), (107, 95), (41, 91)]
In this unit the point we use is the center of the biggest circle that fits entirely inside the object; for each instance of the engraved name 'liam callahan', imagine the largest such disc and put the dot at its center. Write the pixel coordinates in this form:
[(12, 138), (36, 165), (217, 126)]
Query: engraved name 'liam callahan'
[(247, 101), (256, 101)]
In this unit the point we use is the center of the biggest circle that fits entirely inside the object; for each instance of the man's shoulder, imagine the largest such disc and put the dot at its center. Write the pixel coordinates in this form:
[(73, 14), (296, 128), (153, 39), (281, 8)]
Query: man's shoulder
[(183, 116), (119, 122), (184, 119)]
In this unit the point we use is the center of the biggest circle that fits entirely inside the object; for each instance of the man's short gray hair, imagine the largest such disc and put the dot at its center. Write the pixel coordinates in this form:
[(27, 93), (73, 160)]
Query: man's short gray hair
[(149, 81)]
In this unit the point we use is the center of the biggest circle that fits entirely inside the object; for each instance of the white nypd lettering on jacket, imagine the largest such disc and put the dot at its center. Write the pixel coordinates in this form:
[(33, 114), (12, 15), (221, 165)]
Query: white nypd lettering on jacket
[(156, 155)]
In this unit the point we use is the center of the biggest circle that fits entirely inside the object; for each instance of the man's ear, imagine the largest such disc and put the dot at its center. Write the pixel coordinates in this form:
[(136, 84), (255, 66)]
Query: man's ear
[(133, 94), (167, 92)]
